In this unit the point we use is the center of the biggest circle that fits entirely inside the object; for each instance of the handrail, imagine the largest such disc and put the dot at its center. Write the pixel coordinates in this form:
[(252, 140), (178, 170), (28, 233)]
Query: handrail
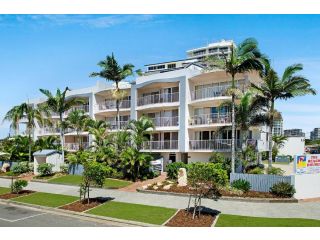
[(158, 98)]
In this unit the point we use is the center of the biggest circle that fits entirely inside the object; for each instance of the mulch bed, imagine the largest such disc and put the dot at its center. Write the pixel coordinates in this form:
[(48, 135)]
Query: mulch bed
[(250, 194), (184, 219), (14, 195), (81, 206)]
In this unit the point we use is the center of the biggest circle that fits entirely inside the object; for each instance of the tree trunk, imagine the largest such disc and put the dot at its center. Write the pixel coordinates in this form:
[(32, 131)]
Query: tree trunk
[(233, 154), (62, 135), (118, 113), (30, 148), (270, 135)]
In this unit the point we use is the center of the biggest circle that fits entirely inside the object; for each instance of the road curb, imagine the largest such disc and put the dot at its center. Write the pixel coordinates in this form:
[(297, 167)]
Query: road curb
[(237, 199), (79, 214)]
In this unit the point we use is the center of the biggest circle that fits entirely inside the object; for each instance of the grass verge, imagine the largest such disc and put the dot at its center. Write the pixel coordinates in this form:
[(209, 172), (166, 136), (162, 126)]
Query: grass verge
[(4, 190), (134, 212), (46, 199), (76, 180), (243, 221)]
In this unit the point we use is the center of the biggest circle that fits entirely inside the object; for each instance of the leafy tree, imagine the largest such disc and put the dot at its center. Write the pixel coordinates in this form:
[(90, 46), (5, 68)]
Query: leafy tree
[(279, 141), (99, 130), (14, 115), (243, 58), (273, 88), (220, 158), (59, 104), (94, 174), (112, 71)]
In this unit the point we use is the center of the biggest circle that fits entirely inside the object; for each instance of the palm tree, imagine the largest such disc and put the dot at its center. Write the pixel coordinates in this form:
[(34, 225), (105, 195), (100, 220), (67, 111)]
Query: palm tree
[(59, 104), (290, 85), (248, 114), (139, 130), (99, 130), (14, 115), (48, 142), (279, 141), (78, 120), (244, 58), (32, 115), (112, 71)]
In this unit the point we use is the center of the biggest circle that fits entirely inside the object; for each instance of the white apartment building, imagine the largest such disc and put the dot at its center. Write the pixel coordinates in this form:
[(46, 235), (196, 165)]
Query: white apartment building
[(183, 103)]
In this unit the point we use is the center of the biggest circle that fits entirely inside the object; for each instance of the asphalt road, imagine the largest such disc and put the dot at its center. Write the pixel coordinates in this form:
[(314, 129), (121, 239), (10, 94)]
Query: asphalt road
[(20, 216)]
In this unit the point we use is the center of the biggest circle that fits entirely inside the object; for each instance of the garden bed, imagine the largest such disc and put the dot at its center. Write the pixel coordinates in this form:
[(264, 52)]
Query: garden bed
[(226, 194), (81, 206), (184, 219), (15, 195)]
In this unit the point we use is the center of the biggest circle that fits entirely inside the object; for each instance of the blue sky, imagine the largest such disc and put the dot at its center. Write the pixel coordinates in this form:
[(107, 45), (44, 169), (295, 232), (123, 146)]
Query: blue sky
[(51, 51)]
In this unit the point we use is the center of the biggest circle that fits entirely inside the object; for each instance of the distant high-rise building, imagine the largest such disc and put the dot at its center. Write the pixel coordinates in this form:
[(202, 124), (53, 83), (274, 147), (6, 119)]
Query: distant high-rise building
[(294, 133), (315, 134)]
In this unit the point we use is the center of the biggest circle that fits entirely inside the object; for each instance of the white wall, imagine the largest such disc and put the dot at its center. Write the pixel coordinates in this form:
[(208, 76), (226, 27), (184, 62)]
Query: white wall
[(307, 186), (293, 146), (198, 157)]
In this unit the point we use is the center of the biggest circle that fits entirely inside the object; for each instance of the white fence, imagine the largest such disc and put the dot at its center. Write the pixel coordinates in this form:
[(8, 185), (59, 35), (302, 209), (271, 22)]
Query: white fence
[(261, 182)]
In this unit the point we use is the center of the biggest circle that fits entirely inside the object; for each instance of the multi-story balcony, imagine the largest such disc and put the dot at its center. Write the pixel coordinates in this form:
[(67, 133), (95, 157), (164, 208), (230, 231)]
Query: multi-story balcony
[(114, 125), (212, 118), (53, 130), (161, 145), (112, 105), (209, 92), (218, 144), (76, 146), (158, 98), (165, 121)]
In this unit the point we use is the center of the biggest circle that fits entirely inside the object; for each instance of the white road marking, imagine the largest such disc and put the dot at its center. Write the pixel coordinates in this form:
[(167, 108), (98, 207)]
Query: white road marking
[(16, 220)]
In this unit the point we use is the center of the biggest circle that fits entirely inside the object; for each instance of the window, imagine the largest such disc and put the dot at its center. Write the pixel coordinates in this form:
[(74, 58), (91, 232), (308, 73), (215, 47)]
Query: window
[(213, 50), (172, 65)]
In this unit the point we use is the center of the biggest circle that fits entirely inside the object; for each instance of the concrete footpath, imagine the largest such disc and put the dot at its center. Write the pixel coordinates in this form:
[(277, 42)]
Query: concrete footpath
[(282, 210)]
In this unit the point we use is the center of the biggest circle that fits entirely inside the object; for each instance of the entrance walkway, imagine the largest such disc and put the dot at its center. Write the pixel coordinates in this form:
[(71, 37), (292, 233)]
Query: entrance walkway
[(133, 187), (281, 210)]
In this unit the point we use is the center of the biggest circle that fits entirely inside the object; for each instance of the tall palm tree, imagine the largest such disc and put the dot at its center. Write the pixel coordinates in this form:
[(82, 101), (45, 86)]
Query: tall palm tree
[(59, 104), (99, 130), (47, 142), (32, 115), (14, 115), (245, 57), (273, 88), (112, 71), (139, 130), (78, 120)]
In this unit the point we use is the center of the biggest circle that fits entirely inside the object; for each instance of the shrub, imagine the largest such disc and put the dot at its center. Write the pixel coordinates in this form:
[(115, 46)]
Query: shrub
[(18, 185), (241, 184), (172, 169), (275, 171), (21, 167), (283, 189), (256, 170), (64, 168), (253, 166), (220, 158), (45, 169), (210, 171)]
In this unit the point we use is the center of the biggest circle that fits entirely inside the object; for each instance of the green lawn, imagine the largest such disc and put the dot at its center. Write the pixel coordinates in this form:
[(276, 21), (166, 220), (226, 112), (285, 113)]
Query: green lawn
[(4, 190), (46, 199), (241, 221), (76, 180), (134, 212)]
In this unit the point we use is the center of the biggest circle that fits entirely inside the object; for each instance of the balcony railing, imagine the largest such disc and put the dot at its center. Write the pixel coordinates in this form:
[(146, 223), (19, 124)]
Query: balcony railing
[(54, 130), (84, 108), (114, 126), (219, 144), (216, 144), (160, 145), (76, 146), (158, 98), (165, 121), (112, 104), (209, 92), (213, 118)]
